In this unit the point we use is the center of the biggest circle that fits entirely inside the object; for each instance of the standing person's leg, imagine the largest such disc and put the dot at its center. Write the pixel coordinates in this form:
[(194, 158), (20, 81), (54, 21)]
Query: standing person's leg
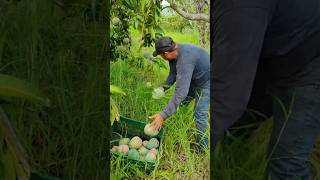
[(295, 130), (201, 110)]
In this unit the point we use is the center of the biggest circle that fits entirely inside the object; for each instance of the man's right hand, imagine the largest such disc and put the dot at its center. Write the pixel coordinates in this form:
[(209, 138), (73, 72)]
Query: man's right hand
[(157, 121)]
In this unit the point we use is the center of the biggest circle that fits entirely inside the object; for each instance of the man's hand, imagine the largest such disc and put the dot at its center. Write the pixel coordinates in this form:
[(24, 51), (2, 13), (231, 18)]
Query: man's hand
[(157, 121)]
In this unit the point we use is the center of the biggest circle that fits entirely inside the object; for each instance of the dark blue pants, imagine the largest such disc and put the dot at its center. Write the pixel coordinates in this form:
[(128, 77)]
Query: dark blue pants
[(296, 127)]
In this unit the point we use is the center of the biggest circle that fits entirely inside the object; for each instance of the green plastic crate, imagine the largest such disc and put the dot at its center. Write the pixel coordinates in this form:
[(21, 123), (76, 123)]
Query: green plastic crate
[(127, 127)]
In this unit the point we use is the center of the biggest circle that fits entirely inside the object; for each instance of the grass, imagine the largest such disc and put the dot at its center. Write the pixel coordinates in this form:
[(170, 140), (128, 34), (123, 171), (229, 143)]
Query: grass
[(61, 52), (177, 160), (241, 159)]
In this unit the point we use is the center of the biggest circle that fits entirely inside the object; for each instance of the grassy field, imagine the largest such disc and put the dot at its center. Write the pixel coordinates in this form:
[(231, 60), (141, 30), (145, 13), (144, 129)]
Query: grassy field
[(60, 51), (239, 159), (177, 160)]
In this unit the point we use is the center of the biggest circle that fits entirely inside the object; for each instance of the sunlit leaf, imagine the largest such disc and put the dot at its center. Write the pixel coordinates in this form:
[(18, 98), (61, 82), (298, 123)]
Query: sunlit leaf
[(14, 87), (116, 90)]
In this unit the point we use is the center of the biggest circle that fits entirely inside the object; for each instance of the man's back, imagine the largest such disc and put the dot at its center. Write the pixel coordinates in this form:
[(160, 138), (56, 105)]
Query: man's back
[(189, 53)]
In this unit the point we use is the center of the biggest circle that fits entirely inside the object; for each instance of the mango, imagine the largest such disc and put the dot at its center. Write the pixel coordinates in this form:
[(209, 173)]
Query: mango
[(143, 151), (150, 131), (153, 143), (123, 149), (135, 142), (133, 154), (154, 151), (144, 143), (151, 157)]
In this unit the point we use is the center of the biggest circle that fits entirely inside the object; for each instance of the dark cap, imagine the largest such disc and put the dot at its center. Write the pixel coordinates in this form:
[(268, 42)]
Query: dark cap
[(164, 44)]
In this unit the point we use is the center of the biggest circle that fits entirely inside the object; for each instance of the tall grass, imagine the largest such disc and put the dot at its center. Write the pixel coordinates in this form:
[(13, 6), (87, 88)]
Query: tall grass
[(60, 50), (245, 159)]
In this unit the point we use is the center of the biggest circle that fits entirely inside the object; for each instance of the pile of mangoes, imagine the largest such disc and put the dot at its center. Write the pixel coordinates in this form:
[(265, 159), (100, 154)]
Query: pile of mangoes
[(137, 149)]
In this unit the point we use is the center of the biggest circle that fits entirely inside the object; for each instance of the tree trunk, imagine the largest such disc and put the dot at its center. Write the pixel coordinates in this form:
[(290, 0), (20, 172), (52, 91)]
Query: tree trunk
[(202, 25), (202, 34), (189, 16)]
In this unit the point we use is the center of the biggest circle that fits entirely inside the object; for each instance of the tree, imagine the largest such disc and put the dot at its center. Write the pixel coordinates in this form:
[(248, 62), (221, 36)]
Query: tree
[(200, 13)]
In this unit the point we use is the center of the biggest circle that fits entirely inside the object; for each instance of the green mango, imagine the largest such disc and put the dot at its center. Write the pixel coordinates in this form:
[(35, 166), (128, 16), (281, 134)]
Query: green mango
[(143, 151), (151, 157), (133, 154), (153, 143)]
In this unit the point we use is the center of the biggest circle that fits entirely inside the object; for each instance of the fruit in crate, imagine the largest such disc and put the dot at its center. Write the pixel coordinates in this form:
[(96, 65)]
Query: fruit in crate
[(154, 151), (143, 150), (123, 149), (133, 154), (135, 142), (144, 143), (153, 143), (151, 157)]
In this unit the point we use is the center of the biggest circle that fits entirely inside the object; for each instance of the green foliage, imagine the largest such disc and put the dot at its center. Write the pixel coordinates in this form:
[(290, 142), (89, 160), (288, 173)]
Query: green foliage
[(116, 90), (146, 19), (14, 87), (124, 141), (178, 24), (120, 23), (9, 151), (114, 110), (60, 50), (142, 15)]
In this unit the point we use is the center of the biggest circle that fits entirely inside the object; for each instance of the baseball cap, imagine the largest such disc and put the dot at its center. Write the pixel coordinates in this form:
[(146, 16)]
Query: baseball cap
[(164, 44)]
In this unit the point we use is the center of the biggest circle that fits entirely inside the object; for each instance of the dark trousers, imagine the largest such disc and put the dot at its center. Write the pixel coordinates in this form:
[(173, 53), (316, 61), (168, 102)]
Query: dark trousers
[(296, 127)]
